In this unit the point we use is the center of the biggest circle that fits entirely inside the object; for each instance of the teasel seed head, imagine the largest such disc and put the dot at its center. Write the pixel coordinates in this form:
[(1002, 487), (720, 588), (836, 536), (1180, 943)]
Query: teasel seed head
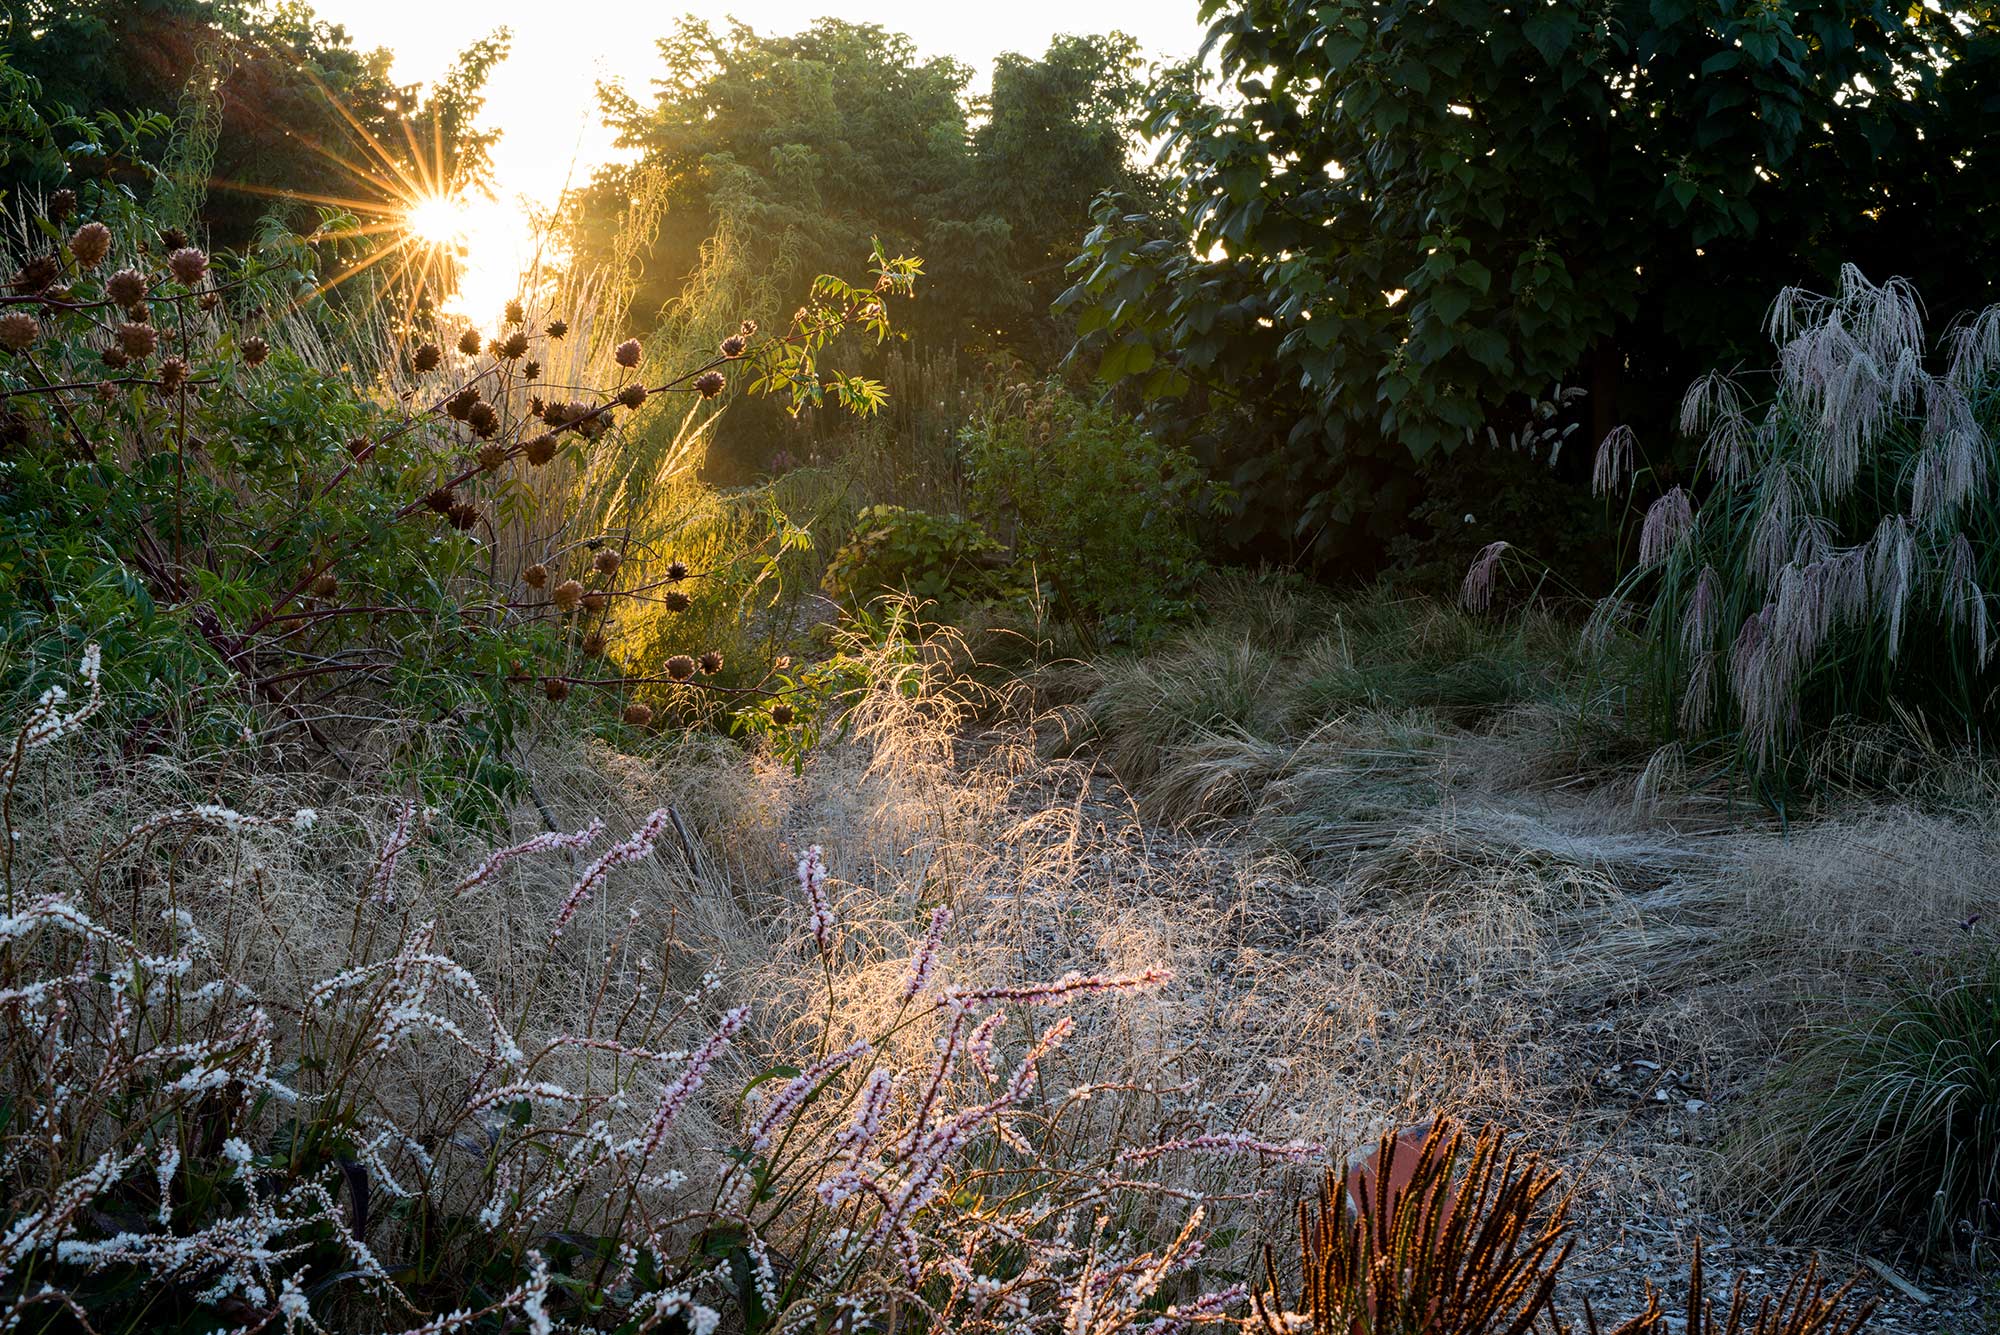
[(441, 500), (255, 351), (426, 358), (711, 663), (514, 346), (567, 596), (464, 516), (593, 645), (638, 715), (680, 667), (531, 370), (556, 328), (734, 345), (540, 449), (469, 342), (536, 576), (628, 353), (556, 689), (114, 357), (18, 330), (138, 339), (360, 447), (89, 244), (710, 384), (675, 601), (62, 203), (607, 561), (188, 264), (632, 395), (173, 238), (325, 584), (515, 313), (38, 274), (535, 405), (483, 419)]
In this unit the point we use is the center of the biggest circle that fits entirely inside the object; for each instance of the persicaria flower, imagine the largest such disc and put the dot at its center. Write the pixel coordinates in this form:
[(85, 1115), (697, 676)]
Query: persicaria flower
[(137, 339), (567, 595), (812, 880), (680, 667), (89, 244), (127, 287), (188, 264), (924, 963), (710, 384), (627, 354), (18, 329)]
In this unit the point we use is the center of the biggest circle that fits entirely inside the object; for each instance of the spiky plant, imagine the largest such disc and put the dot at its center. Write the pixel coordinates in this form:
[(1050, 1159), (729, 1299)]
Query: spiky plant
[(1804, 1308)]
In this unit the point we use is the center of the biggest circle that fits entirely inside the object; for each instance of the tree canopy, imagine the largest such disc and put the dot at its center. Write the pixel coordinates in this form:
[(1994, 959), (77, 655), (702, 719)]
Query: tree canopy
[(1401, 222)]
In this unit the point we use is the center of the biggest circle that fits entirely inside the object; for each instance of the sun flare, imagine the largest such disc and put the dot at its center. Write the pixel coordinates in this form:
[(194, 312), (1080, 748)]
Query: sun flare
[(437, 219)]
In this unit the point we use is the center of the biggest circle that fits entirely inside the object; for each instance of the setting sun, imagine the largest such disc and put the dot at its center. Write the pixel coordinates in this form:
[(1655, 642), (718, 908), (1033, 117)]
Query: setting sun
[(438, 219)]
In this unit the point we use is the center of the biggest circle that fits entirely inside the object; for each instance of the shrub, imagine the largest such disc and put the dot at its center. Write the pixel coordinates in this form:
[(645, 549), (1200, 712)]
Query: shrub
[(1101, 508), (933, 558), (1891, 1118), (1839, 562)]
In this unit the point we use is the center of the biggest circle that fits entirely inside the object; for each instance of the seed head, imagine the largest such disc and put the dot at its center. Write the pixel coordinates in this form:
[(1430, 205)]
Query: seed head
[(127, 287), (535, 576), (469, 342), (483, 420), (18, 329), (89, 244), (680, 667), (325, 584), (638, 715), (514, 346), (531, 370), (567, 595), (632, 395), (676, 572), (540, 449), (596, 601), (426, 358), (674, 601), (114, 357), (607, 561), (781, 714), (492, 455), (535, 405), (173, 238), (556, 328), (138, 339), (593, 645), (441, 500), (210, 301), (38, 274), (628, 353), (514, 313), (733, 345), (464, 515), (556, 689), (255, 351), (188, 264), (749, 328), (61, 204), (711, 663), (710, 384), (173, 373)]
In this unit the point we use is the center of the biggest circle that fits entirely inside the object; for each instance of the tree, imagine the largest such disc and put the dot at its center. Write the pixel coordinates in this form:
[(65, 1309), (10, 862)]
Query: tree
[(1407, 220)]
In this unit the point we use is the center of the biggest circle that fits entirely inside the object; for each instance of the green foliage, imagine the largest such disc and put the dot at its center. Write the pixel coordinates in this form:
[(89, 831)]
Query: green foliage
[(1100, 508), (1402, 221), (1891, 1117), (933, 558)]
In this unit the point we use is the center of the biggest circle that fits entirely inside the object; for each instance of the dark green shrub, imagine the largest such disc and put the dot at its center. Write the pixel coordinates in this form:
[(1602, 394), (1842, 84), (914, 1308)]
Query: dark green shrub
[(935, 558)]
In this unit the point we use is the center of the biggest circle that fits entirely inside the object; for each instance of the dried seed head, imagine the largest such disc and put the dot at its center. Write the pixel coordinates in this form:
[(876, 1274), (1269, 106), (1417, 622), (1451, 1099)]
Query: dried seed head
[(748, 328), (680, 667), (781, 714), (325, 584), (255, 351), (210, 301), (532, 371), (607, 561), (138, 339), (515, 314), (18, 329), (595, 601), (188, 264), (540, 449), (628, 353), (674, 601), (556, 689), (676, 571), (114, 357), (89, 244), (710, 384), (733, 345), (593, 645), (711, 663), (360, 447), (426, 358), (535, 576), (567, 595), (556, 328), (514, 346), (535, 405), (173, 373), (38, 274), (469, 342), (464, 515), (632, 395), (638, 715), (460, 405), (483, 420), (61, 204), (441, 500), (127, 287), (173, 238), (492, 455)]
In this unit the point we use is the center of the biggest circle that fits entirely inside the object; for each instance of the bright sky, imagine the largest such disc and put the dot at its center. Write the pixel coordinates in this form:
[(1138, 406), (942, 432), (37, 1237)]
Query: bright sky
[(544, 99)]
